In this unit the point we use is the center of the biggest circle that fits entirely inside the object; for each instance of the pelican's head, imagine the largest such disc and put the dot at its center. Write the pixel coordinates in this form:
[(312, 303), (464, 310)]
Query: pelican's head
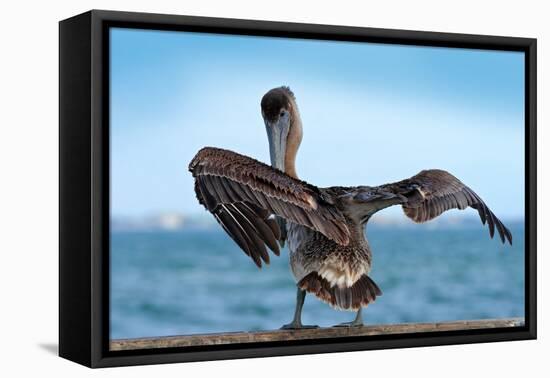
[(283, 126)]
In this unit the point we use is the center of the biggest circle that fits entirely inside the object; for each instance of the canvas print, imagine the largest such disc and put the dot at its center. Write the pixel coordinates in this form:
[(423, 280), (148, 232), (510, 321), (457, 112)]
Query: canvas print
[(293, 187)]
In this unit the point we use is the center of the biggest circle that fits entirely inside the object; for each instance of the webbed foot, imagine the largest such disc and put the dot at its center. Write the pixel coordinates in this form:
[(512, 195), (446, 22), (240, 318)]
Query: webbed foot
[(357, 322), (350, 324), (298, 325)]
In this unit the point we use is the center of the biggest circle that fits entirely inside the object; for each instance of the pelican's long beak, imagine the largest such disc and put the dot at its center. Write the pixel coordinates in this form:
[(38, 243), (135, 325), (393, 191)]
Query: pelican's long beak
[(277, 133)]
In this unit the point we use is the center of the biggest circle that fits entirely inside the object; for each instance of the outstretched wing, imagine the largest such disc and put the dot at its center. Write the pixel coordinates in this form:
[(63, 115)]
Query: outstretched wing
[(242, 194), (425, 196)]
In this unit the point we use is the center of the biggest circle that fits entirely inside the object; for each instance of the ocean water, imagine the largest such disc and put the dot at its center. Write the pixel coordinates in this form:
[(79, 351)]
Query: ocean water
[(196, 281)]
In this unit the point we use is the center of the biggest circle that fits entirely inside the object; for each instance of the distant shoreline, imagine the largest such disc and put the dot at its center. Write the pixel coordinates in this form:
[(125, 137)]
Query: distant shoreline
[(177, 223)]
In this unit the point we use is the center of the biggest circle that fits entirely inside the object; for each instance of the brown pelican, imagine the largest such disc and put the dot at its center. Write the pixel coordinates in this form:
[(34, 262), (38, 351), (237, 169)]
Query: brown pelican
[(258, 205)]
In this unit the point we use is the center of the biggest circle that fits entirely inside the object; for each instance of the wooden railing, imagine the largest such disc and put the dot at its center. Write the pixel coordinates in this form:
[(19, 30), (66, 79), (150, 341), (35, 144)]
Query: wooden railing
[(316, 333)]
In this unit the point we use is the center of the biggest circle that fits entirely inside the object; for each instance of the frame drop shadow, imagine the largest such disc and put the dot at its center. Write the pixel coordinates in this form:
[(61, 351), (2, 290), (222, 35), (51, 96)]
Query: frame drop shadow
[(52, 348)]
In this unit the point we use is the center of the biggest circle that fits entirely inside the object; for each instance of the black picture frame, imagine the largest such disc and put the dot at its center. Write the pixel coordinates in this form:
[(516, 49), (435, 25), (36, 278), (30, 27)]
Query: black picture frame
[(84, 187)]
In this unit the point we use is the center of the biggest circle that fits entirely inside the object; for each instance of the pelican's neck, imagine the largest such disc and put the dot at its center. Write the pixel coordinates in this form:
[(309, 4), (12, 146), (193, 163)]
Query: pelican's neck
[(293, 141)]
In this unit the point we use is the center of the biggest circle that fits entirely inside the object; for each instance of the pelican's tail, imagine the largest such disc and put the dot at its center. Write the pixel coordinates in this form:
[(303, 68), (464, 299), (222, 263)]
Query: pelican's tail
[(360, 294)]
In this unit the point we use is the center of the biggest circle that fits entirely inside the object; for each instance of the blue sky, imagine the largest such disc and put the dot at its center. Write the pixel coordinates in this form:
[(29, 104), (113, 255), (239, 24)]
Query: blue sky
[(372, 113)]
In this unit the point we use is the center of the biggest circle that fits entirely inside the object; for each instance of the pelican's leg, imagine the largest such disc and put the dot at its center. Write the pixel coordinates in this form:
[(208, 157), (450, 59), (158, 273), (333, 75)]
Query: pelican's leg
[(357, 322), (297, 321)]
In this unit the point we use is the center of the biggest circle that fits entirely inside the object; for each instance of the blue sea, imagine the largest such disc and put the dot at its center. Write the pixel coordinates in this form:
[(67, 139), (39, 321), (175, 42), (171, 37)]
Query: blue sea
[(196, 281)]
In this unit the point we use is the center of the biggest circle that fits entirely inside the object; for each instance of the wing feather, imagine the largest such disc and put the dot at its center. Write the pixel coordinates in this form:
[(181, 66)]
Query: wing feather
[(425, 196), (243, 193)]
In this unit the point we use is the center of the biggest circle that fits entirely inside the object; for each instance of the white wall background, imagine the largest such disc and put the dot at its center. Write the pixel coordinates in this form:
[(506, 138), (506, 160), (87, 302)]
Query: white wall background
[(29, 186)]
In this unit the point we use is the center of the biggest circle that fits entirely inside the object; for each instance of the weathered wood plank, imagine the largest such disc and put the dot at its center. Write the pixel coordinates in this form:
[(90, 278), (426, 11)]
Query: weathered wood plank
[(317, 333)]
